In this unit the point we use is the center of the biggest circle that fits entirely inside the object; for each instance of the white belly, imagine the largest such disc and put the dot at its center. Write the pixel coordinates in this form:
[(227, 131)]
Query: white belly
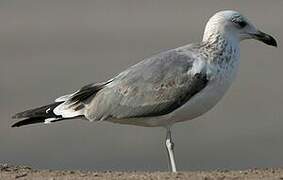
[(205, 100)]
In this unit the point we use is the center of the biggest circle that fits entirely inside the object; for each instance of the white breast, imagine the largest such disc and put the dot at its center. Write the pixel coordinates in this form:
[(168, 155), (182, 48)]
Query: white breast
[(207, 98)]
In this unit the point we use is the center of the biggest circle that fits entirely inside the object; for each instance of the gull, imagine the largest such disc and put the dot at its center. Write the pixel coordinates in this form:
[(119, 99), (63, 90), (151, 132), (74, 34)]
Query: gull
[(173, 86)]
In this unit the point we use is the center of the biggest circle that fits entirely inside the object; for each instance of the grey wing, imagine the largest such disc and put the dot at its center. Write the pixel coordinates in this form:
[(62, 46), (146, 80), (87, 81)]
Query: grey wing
[(153, 87)]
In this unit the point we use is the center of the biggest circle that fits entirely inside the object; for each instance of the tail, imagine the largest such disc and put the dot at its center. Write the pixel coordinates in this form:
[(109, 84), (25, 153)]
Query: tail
[(42, 114), (66, 107)]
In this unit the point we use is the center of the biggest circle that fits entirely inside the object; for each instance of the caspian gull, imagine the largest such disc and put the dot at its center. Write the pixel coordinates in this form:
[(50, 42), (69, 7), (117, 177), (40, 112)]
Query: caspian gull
[(173, 86)]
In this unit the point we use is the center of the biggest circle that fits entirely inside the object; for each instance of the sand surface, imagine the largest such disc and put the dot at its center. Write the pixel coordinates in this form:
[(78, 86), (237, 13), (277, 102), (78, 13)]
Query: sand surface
[(24, 172)]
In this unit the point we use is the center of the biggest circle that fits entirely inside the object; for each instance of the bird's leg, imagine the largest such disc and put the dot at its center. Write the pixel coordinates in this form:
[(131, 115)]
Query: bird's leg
[(170, 150)]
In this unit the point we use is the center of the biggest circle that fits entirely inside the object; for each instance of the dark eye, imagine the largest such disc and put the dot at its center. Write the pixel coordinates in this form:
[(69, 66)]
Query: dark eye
[(242, 24), (239, 22)]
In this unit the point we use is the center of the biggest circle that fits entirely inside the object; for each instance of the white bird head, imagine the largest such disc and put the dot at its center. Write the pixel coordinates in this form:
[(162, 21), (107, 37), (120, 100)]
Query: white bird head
[(234, 26)]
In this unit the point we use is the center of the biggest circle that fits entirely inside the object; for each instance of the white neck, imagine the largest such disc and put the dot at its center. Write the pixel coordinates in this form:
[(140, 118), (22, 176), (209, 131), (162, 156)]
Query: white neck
[(220, 46)]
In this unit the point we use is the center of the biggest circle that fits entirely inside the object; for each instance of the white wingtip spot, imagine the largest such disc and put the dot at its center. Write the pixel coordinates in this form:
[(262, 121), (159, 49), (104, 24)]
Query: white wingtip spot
[(49, 120), (47, 110)]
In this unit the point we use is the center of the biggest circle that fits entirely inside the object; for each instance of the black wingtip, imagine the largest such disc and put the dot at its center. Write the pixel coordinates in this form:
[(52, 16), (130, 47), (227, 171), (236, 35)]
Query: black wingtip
[(15, 125), (28, 121)]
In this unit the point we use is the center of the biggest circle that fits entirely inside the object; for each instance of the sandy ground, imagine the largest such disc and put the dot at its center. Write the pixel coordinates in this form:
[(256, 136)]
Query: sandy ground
[(24, 172)]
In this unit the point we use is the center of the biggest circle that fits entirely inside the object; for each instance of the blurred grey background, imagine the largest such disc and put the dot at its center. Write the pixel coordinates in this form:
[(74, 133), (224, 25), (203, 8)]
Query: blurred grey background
[(50, 48)]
